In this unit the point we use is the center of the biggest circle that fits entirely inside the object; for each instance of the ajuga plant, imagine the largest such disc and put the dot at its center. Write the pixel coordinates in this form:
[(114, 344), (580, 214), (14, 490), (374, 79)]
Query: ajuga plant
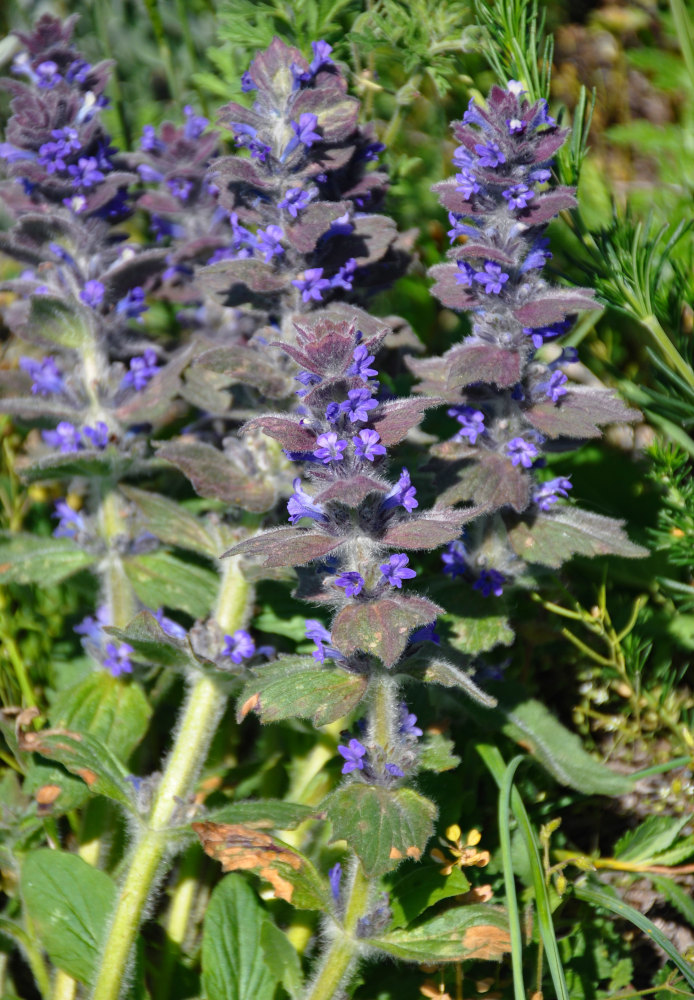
[(513, 409), (281, 234), (284, 226)]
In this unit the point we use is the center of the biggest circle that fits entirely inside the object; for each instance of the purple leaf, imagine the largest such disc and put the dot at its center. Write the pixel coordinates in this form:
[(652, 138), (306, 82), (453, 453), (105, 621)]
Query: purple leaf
[(350, 491), (214, 475), (429, 530), (545, 206), (396, 418), (244, 364), (550, 538), (289, 432), (286, 546), (580, 413), (381, 627), (447, 288), (483, 363), (492, 482), (554, 305)]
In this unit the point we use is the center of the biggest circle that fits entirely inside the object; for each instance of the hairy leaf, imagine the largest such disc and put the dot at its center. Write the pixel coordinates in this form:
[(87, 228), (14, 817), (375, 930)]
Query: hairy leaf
[(26, 558), (69, 904), (465, 932), (233, 960), (382, 626), (298, 686), (241, 847), (382, 825), (553, 537), (214, 475)]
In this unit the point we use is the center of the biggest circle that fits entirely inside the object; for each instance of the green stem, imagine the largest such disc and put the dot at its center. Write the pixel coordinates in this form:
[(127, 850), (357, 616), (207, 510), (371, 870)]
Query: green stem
[(667, 348), (340, 956), (64, 986), (15, 658), (200, 717), (383, 709), (119, 595)]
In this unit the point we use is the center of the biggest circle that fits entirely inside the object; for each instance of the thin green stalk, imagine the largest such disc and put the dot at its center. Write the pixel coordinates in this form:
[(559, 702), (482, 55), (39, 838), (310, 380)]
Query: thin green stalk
[(119, 595), (667, 348), (178, 919), (509, 877), (64, 986), (197, 726), (495, 762), (20, 670), (340, 956)]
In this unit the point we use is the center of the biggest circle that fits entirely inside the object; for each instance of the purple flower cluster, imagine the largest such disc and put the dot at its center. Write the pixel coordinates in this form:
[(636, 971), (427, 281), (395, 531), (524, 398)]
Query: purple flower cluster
[(67, 438)]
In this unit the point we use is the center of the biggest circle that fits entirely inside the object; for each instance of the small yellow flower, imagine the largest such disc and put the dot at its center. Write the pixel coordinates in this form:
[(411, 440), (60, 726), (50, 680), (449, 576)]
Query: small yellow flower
[(464, 854)]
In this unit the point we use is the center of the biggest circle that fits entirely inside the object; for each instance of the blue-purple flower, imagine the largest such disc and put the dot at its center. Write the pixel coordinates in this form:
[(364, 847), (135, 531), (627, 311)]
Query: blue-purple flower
[(335, 877), (93, 293), (295, 200), (490, 154), (304, 129), (97, 435), (454, 559), (300, 504), (117, 659), (490, 581), (408, 722), (351, 582), (142, 369), (353, 754), (312, 285), (66, 437), (554, 389), (239, 646), (268, 242), (492, 277), (70, 522), (360, 365), (521, 452), (518, 196), (330, 448), (345, 276), (357, 405), (403, 494), (396, 570), (366, 445), (548, 493), (47, 378), (471, 422), (132, 305)]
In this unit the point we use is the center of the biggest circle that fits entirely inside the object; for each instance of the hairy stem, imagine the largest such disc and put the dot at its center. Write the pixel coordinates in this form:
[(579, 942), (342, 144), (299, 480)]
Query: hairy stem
[(64, 986), (118, 593), (197, 726), (339, 958)]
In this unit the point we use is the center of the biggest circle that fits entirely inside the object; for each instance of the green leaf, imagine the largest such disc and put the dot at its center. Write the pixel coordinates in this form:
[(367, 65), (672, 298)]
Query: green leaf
[(281, 958), (160, 579), (233, 960), (607, 898), (436, 754), (411, 893), (654, 835), (383, 826), (465, 932), (87, 757), (675, 895), (270, 813), (69, 904), (52, 320), (483, 627), (114, 711), (246, 848), (171, 523), (153, 645), (26, 558), (560, 751), (299, 687)]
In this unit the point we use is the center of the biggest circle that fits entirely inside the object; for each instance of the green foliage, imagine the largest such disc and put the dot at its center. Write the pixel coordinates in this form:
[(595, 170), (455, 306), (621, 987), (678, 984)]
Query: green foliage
[(68, 903), (383, 825), (234, 965)]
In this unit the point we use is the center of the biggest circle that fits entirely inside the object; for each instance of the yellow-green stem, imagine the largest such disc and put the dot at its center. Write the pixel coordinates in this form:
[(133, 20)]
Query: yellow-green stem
[(64, 986), (118, 592), (200, 716), (338, 959)]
